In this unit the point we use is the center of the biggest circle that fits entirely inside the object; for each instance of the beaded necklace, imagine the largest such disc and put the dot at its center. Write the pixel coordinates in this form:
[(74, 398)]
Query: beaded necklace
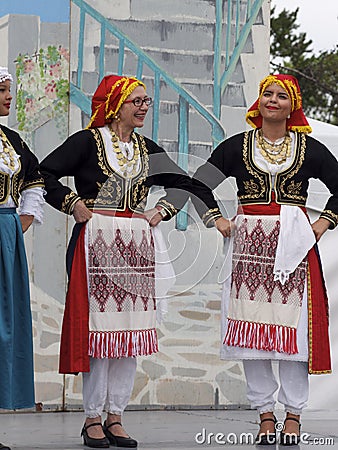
[(274, 153), (127, 164), (8, 154)]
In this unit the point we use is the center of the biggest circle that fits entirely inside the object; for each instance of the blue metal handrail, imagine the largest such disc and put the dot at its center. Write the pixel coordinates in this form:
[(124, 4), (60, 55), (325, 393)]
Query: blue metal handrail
[(232, 52)]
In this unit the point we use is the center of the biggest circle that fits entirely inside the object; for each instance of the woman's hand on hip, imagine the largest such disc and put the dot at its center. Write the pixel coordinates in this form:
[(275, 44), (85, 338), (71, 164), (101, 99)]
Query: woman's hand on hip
[(153, 216), (319, 227), (26, 221), (81, 213), (225, 226)]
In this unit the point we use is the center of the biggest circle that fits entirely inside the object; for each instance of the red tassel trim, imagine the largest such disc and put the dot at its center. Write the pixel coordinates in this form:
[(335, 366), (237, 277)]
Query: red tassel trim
[(261, 336), (120, 344)]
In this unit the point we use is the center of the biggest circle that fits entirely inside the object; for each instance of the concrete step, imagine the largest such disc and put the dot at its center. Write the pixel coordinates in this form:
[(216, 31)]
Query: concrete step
[(199, 128), (193, 36), (166, 34), (178, 64), (202, 89), (181, 11), (173, 10)]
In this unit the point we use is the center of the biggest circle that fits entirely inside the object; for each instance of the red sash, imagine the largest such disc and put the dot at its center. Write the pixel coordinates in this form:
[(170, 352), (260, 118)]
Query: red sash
[(74, 338)]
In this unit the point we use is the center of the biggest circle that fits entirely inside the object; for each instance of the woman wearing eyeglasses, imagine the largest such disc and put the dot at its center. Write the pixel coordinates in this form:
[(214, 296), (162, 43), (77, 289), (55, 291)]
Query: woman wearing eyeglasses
[(112, 298)]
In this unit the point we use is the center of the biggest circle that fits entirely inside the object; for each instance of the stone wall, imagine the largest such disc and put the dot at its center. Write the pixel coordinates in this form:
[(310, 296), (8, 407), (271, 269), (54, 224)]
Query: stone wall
[(186, 372)]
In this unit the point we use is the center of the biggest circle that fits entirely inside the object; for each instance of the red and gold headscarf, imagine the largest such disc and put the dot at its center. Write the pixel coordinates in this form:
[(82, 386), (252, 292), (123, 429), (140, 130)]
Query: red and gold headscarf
[(109, 97), (297, 120)]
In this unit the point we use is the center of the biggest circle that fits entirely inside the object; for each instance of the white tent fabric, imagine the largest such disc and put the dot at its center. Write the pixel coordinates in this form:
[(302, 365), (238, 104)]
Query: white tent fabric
[(323, 388), (328, 135)]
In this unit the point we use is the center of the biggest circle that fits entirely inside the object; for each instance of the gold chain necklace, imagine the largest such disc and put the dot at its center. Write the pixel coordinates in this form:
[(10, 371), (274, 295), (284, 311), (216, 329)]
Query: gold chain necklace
[(8, 153), (274, 153), (127, 165)]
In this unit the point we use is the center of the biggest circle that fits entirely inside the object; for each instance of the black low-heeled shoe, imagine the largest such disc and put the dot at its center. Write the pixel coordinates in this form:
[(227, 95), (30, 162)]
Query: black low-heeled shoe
[(93, 442), (118, 441), (288, 439), (4, 447), (269, 438)]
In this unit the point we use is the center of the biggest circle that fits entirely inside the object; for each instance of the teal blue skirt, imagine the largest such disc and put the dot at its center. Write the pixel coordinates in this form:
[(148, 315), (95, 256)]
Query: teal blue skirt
[(16, 342)]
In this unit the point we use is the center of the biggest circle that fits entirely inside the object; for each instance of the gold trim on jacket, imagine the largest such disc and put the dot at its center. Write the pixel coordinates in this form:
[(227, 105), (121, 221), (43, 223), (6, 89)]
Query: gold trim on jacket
[(13, 186), (116, 192), (255, 185)]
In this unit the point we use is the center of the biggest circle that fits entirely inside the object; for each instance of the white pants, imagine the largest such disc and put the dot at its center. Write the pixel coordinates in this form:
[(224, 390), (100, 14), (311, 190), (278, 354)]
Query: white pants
[(293, 391), (108, 385)]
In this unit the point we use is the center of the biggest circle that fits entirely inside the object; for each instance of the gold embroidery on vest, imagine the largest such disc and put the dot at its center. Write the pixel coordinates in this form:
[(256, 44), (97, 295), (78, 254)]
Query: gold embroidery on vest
[(133, 194), (100, 152), (138, 188), (16, 184), (4, 187), (293, 193), (251, 187), (261, 189), (294, 188), (110, 192)]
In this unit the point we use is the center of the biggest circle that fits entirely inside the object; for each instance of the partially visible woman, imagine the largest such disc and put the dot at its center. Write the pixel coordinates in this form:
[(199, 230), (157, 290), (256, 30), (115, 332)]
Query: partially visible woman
[(275, 304), (21, 187), (112, 298)]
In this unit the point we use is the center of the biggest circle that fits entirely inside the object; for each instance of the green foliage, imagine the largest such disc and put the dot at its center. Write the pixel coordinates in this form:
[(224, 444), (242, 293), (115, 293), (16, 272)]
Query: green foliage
[(317, 74), (285, 43)]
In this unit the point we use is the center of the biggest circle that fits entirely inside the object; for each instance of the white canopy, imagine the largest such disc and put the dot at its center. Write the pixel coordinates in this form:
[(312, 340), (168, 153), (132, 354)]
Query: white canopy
[(324, 393), (328, 135)]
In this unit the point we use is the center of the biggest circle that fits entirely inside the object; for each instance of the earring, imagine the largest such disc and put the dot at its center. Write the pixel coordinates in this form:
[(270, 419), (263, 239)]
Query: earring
[(288, 117), (117, 117)]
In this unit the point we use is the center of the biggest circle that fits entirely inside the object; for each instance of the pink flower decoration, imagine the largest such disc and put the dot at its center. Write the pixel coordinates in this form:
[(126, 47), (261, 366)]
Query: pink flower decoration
[(30, 105), (29, 66), (50, 90)]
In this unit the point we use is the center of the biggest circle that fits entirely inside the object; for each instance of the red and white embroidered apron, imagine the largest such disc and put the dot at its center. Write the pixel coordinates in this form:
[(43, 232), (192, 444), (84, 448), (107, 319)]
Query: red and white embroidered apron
[(121, 287)]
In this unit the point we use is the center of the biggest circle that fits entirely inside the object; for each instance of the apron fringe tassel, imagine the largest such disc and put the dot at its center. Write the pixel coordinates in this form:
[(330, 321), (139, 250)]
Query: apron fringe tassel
[(261, 336), (121, 344)]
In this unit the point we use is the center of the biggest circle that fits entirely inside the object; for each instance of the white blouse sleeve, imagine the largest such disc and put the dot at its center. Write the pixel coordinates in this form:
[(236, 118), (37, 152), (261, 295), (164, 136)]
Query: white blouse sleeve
[(32, 203)]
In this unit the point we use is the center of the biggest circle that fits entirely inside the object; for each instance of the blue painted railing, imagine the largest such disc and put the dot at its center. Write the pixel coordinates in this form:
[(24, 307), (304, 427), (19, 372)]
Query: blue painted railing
[(239, 18)]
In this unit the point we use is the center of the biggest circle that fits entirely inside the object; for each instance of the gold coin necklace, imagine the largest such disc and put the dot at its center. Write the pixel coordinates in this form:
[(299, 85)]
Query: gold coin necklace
[(274, 153), (128, 163), (8, 154)]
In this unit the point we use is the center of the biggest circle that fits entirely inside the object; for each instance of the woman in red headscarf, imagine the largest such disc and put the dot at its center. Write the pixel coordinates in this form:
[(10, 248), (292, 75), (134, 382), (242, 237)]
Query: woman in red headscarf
[(275, 304), (114, 291)]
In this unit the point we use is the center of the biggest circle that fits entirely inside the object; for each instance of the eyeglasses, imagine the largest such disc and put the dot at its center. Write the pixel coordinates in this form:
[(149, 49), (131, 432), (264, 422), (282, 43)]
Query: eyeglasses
[(138, 101)]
